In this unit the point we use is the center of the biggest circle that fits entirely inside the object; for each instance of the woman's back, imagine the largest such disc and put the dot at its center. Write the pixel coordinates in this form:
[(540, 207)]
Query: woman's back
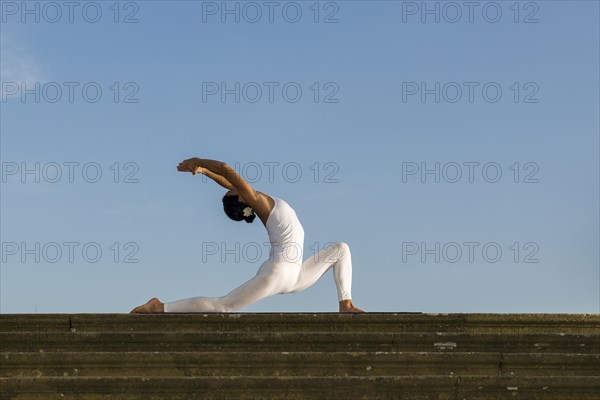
[(285, 233)]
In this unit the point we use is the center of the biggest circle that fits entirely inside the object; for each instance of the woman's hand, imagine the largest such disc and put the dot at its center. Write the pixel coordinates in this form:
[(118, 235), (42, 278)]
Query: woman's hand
[(190, 165), (212, 168)]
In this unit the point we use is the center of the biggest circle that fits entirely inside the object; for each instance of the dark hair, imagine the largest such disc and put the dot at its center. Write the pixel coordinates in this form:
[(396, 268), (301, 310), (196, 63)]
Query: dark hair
[(234, 209)]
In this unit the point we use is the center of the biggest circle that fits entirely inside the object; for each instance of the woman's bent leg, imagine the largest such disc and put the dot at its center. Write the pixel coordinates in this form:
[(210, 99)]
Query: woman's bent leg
[(336, 256), (271, 278)]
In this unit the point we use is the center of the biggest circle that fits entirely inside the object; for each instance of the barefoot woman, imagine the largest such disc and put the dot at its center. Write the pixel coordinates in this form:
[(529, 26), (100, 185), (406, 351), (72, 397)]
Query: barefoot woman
[(284, 271)]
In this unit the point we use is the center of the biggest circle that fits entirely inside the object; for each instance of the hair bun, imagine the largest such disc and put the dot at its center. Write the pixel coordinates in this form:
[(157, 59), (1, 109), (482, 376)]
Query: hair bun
[(237, 210)]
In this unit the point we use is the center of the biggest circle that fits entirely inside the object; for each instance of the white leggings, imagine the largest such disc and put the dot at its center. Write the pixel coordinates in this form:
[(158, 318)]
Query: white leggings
[(278, 277)]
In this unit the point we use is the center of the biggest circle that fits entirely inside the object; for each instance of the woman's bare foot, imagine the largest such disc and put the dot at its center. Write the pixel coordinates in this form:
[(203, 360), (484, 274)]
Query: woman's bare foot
[(347, 306), (152, 306)]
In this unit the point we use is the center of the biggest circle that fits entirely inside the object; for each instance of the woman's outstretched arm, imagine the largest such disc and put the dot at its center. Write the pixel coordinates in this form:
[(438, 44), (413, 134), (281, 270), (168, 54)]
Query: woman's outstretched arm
[(227, 177), (216, 177), (210, 168)]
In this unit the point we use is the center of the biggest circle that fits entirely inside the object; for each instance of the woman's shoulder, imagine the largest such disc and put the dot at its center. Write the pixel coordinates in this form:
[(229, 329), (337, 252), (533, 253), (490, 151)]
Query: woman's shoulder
[(275, 202), (268, 200), (268, 205), (281, 202), (279, 206)]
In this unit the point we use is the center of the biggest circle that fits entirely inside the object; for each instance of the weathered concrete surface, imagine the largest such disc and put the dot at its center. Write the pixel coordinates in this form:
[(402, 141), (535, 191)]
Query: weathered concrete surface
[(303, 322), (61, 364), (384, 387), (305, 355), (301, 341)]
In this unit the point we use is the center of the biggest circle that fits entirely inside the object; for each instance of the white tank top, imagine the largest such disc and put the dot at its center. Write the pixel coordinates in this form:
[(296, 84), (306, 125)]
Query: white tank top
[(285, 233)]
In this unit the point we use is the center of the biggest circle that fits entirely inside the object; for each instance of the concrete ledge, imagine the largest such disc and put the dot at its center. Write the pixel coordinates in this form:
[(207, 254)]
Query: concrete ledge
[(404, 356)]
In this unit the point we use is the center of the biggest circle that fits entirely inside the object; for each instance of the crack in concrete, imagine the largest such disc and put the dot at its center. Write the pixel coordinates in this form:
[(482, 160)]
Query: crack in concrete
[(501, 365)]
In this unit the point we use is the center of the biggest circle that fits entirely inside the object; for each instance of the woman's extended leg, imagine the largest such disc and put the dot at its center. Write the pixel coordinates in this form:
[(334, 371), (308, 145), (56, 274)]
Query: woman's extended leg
[(338, 257), (272, 278)]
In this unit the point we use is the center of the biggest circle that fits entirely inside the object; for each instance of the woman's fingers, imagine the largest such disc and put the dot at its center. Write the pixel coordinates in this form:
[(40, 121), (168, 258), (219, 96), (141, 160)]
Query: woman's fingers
[(187, 165), (186, 168)]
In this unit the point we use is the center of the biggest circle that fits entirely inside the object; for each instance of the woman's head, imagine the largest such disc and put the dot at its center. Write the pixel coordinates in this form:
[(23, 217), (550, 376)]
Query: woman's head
[(237, 210)]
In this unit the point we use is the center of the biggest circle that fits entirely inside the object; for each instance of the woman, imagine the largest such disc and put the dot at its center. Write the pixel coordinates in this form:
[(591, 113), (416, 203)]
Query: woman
[(284, 271)]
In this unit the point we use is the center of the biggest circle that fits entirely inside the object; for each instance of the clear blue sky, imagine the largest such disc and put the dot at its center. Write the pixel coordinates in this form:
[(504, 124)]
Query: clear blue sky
[(369, 134)]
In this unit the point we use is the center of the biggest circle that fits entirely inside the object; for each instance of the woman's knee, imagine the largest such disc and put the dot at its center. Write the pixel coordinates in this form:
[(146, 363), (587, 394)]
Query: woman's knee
[(224, 308), (342, 248)]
